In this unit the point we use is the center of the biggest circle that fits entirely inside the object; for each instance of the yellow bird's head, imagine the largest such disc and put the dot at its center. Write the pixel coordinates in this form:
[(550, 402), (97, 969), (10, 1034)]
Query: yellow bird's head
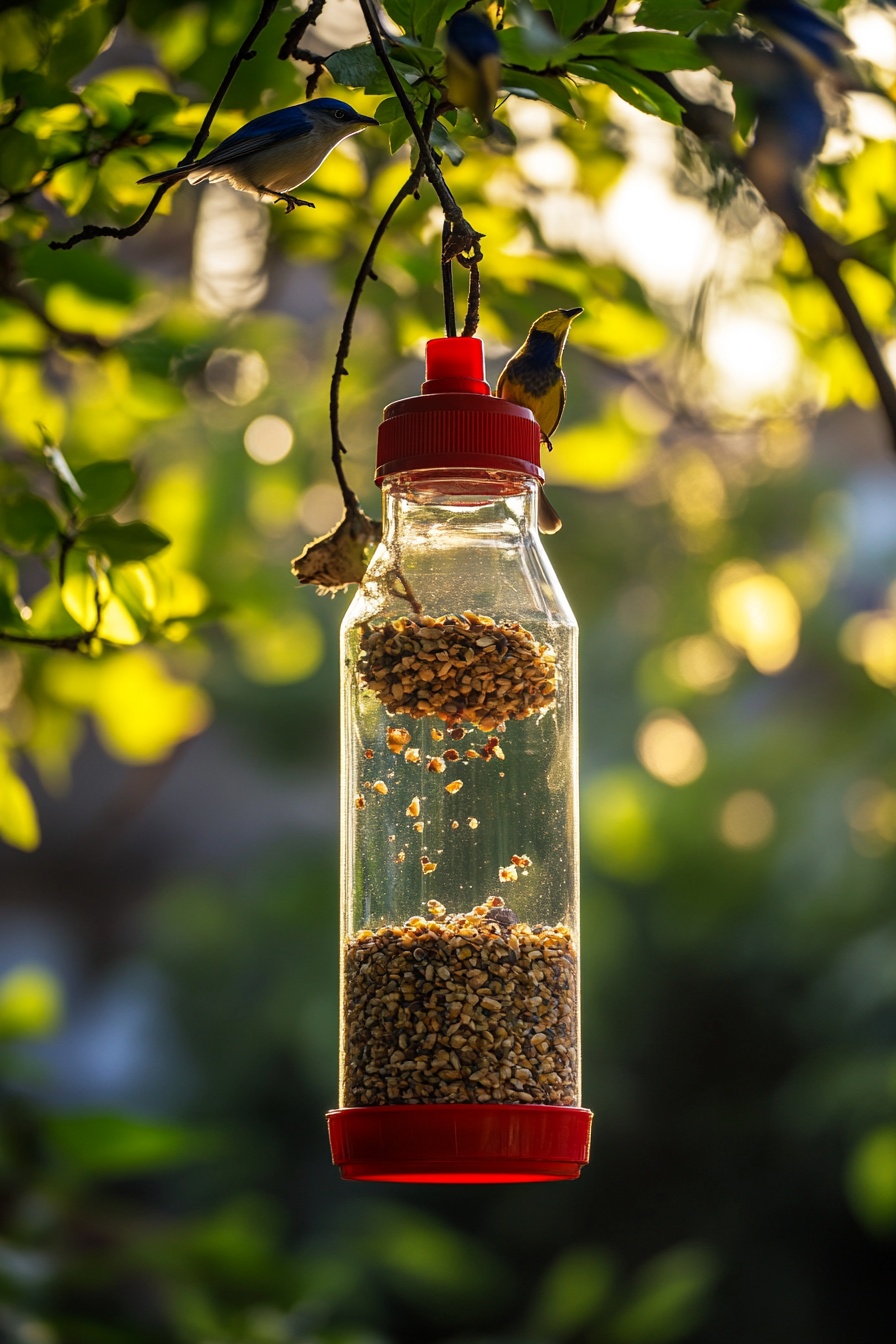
[(557, 322)]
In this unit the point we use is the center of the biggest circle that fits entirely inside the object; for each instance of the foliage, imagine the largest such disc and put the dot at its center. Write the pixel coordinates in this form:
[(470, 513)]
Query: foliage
[(164, 419)]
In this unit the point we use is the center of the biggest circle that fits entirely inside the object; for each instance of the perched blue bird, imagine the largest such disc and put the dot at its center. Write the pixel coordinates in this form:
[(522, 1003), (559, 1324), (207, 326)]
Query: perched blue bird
[(275, 152), (473, 70)]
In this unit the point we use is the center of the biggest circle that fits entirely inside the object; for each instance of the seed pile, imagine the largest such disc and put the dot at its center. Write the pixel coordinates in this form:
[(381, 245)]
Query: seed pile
[(472, 1007), (464, 668)]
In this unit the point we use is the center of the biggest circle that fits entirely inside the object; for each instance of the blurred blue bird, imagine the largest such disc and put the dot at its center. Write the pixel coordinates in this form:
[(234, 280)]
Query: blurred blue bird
[(813, 39), (790, 123), (473, 70), (275, 152)]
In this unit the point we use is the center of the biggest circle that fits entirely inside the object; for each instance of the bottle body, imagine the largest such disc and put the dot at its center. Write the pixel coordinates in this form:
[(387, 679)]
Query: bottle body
[(460, 873)]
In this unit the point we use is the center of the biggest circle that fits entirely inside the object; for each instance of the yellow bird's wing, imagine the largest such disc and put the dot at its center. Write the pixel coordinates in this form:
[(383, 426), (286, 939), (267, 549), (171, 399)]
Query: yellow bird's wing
[(552, 407)]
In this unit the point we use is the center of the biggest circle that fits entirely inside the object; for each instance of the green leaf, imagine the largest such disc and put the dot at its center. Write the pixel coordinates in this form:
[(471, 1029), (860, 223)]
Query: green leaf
[(443, 141), (574, 1290), (9, 576), (110, 109), (119, 1145), (668, 1299), (871, 1179), (637, 89), (545, 87), (20, 158), (569, 14), (399, 132), (356, 67), (27, 523), (68, 488), (105, 485), (121, 542), (426, 15), (19, 825), (682, 16), (388, 110), (77, 43), (646, 51)]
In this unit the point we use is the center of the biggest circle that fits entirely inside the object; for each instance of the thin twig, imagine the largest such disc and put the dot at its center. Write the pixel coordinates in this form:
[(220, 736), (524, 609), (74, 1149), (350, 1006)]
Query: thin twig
[(319, 62), (245, 53), (408, 188), (68, 643), (463, 237), (474, 296), (448, 284), (298, 29)]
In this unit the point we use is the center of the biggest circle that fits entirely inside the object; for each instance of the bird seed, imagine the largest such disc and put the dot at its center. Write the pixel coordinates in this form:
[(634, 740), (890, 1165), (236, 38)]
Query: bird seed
[(473, 1007), (465, 668)]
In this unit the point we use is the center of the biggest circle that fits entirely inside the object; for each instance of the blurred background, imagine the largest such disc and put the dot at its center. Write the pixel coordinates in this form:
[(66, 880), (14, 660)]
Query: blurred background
[(168, 871)]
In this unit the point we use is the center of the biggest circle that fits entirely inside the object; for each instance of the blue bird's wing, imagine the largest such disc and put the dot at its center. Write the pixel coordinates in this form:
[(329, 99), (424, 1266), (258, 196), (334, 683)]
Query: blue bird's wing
[(273, 128)]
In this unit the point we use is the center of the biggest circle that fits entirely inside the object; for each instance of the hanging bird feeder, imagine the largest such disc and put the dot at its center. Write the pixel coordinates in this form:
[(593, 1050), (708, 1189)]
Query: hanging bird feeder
[(460, 870)]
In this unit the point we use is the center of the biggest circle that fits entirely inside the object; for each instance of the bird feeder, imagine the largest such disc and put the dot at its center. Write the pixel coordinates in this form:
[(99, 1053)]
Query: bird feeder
[(460, 872)]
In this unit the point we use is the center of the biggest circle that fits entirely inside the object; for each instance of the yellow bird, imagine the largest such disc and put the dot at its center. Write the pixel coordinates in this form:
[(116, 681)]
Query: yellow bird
[(533, 377)]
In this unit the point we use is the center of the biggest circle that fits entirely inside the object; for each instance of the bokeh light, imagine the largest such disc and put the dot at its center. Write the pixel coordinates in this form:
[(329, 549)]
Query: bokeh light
[(756, 612), (747, 820), (670, 748), (701, 663), (268, 439)]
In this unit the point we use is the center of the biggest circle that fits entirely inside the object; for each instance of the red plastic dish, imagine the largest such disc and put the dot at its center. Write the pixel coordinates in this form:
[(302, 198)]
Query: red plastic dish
[(455, 1144)]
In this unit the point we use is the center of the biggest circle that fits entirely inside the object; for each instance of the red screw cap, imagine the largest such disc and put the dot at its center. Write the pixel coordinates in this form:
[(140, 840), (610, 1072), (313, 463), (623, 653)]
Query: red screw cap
[(456, 422)]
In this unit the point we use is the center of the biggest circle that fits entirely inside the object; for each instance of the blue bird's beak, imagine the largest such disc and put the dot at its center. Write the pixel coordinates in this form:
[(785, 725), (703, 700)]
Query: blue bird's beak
[(366, 121), (572, 312)]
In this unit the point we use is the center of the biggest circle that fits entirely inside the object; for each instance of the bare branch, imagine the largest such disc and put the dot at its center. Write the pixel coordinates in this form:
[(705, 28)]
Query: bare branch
[(245, 53), (298, 29), (11, 288), (474, 297), (365, 271), (313, 58), (597, 24)]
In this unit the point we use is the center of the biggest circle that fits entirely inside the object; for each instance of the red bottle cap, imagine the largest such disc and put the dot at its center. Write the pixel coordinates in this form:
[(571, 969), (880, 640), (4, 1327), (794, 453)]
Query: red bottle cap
[(481, 1144), (456, 422)]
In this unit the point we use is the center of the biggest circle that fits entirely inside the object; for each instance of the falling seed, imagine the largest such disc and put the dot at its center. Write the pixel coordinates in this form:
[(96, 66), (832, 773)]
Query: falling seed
[(427, 866), (380, 787), (436, 734), (418, 826), (454, 825), (413, 808), (472, 823), (521, 860), (397, 739), (412, 755), (436, 909), (369, 754), (471, 754), (451, 755), (359, 802), (399, 857), (455, 786), (508, 874), (436, 765)]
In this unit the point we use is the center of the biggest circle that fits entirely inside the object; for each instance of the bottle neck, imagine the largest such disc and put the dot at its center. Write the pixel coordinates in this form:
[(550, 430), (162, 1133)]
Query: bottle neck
[(442, 508)]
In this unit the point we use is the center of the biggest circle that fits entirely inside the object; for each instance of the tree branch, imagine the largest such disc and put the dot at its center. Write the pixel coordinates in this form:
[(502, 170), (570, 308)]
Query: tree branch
[(298, 29), (474, 297), (463, 237), (245, 53), (597, 24), (314, 58), (11, 289), (408, 188)]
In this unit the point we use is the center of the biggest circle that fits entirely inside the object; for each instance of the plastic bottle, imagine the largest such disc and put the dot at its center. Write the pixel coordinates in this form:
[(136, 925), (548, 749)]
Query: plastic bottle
[(460, 867)]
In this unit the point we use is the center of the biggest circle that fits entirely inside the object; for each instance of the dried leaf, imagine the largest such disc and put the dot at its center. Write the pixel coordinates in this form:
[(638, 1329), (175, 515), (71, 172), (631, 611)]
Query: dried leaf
[(339, 558)]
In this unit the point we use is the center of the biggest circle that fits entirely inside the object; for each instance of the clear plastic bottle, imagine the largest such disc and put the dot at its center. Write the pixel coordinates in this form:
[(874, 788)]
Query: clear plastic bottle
[(460, 869)]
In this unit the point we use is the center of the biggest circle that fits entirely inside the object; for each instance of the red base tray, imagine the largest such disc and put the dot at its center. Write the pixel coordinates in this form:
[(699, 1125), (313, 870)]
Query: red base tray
[(462, 1143)]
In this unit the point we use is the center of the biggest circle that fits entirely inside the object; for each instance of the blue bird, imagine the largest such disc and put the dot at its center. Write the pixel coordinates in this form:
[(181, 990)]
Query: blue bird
[(275, 152), (473, 70), (813, 39)]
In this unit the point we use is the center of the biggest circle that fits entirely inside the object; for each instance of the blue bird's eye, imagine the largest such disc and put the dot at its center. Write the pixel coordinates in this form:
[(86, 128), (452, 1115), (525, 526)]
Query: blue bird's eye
[(339, 114)]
